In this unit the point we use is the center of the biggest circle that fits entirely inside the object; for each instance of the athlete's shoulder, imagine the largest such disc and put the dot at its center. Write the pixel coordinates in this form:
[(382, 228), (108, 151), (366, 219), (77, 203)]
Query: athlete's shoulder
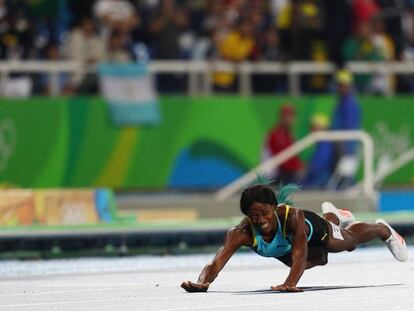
[(291, 216), (284, 208), (243, 227), (241, 233)]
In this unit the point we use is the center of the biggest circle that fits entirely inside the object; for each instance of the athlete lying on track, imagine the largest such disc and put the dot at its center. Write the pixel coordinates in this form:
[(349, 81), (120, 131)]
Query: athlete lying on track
[(298, 238)]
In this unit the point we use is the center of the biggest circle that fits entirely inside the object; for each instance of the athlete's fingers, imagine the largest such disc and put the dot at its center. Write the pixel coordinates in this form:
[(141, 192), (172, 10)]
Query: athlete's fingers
[(187, 286), (202, 287), (195, 287), (286, 288), (184, 285), (278, 288)]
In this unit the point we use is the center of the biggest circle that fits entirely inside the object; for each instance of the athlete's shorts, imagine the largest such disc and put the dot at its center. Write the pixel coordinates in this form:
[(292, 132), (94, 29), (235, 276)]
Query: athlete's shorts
[(319, 229)]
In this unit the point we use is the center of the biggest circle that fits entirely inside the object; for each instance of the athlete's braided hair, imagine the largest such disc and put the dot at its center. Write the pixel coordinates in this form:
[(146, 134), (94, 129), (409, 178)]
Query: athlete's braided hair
[(264, 194)]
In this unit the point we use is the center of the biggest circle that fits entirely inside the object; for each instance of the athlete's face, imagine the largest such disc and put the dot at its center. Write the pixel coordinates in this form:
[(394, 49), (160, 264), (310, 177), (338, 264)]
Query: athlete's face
[(262, 217)]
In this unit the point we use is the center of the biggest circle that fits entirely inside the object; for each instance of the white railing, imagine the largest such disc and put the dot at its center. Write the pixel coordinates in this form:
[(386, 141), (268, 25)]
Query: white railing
[(200, 72), (269, 165), (383, 172)]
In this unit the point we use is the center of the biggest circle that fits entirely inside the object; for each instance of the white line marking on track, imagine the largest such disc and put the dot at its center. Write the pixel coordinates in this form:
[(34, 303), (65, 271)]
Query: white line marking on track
[(278, 302), (72, 291), (84, 301), (51, 284)]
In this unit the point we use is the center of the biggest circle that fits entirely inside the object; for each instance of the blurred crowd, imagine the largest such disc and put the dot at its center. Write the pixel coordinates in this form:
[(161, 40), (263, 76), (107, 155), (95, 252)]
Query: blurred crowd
[(91, 31)]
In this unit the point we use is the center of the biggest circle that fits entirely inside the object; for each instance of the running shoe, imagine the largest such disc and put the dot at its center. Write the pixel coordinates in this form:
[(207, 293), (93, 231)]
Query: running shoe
[(395, 242), (345, 216)]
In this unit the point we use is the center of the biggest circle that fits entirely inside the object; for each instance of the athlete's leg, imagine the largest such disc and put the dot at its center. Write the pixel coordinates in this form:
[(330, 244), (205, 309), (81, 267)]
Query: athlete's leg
[(355, 234), (332, 218), (317, 256), (286, 259)]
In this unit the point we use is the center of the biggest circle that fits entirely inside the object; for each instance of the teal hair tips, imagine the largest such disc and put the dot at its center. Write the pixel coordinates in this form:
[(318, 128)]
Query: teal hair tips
[(285, 192)]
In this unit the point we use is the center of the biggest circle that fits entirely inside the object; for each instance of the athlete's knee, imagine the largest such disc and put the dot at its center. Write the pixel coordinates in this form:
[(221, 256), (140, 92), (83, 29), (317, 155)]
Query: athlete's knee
[(323, 260), (352, 240), (320, 261)]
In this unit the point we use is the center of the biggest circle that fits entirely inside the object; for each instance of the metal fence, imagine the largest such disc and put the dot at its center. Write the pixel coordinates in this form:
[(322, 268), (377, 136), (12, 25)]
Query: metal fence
[(200, 73)]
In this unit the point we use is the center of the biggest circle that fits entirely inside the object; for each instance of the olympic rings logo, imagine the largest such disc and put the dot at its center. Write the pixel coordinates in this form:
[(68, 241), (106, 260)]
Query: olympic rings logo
[(8, 140)]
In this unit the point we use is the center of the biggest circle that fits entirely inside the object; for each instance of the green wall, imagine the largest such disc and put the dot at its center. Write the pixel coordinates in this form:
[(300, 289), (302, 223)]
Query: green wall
[(70, 142)]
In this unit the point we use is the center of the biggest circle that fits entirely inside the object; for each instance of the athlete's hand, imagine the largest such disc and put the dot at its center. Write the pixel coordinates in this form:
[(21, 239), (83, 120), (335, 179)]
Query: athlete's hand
[(195, 287), (286, 288)]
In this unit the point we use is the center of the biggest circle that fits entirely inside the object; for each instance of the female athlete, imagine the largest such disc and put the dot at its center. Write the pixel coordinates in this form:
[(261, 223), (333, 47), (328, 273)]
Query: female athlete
[(298, 238)]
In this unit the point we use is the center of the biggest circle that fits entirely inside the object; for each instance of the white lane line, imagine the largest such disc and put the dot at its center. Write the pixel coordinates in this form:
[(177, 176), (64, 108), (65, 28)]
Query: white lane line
[(51, 284), (36, 304), (278, 302), (109, 288), (188, 296), (72, 291)]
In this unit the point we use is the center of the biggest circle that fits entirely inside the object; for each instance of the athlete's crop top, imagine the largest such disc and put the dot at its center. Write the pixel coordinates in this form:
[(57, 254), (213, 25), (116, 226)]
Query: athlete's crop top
[(280, 245)]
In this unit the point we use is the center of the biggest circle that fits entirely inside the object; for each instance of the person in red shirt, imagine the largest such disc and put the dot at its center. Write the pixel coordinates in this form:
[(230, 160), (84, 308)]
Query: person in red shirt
[(363, 11), (279, 138)]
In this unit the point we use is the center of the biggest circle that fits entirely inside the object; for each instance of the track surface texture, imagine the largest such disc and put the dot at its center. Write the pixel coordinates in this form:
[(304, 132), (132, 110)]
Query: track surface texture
[(368, 279)]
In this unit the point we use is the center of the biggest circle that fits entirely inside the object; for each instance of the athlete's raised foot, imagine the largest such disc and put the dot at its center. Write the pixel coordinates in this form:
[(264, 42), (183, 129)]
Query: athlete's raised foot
[(395, 242), (345, 216)]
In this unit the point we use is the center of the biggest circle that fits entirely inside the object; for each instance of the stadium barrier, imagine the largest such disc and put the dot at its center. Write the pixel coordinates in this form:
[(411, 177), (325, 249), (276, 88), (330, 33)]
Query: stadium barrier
[(200, 72), (56, 207)]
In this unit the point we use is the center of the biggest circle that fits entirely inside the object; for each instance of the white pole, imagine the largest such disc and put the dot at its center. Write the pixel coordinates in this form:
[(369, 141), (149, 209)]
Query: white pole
[(269, 165)]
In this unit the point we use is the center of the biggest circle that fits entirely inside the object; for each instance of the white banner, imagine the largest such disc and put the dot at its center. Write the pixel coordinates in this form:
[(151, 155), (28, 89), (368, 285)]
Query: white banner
[(130, 93)]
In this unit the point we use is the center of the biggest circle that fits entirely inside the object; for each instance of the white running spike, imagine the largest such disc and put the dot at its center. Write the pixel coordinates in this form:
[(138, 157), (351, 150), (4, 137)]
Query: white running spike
[(345, 216), (395, 242)]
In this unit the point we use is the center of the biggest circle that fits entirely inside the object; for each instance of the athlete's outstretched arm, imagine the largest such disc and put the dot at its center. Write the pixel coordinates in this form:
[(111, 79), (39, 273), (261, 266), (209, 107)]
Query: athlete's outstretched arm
[(234, 240), (299, 252)]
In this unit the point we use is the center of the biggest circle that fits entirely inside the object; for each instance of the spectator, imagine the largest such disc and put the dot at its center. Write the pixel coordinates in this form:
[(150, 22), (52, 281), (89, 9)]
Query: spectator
[(87, 47), (16, 43), (16, 35), (337, 27), (269, 50), (278, 139), (391, 11), (303, 30), (270, 47), (216, 18), (360, 47), (321, 164), (53, 53), (236, 46), (381, 83), (3, 9), (306, 25), (116, 15), (166, 27), (363, 12), (347, 116), (260, 16), (117, 48), (408, 48)]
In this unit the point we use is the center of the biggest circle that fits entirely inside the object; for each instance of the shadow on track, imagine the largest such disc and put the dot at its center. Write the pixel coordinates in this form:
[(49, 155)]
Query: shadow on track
[(305, 289)]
